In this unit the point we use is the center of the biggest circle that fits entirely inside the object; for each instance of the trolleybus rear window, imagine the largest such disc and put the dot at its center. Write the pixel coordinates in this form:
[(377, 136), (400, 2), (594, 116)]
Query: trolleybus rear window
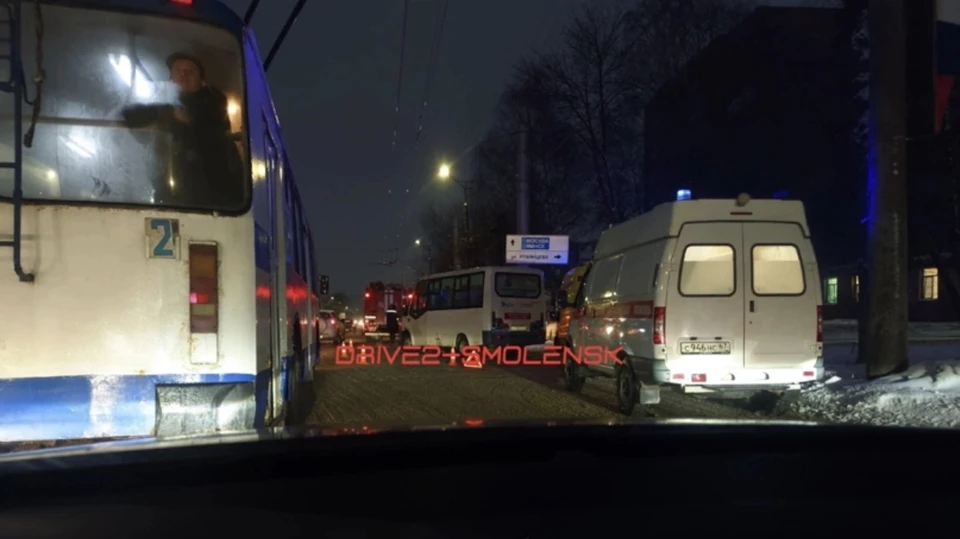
[(136, 109)]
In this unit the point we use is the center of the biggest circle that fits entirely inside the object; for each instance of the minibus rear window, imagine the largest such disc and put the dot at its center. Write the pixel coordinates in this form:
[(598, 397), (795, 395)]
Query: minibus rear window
[(517, 285)]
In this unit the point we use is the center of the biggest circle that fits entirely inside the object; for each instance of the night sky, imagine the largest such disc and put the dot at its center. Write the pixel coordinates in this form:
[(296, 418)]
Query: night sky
[(334, 84)]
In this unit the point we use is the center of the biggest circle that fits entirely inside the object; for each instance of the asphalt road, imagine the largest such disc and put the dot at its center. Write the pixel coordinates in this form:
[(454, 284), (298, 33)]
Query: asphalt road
[(400, 395), (403, 394)]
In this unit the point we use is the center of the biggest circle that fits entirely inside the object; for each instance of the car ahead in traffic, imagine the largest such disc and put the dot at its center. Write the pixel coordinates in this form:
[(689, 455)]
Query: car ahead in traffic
[(331, 330), (719, 298)]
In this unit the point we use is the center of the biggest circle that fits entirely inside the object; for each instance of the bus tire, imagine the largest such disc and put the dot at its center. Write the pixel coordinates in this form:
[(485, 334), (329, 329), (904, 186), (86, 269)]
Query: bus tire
[(627, 389), (295, 379)]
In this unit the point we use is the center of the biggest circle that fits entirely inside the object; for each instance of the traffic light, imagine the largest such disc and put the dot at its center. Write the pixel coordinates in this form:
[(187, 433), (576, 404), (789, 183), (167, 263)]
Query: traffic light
[(324, 285)]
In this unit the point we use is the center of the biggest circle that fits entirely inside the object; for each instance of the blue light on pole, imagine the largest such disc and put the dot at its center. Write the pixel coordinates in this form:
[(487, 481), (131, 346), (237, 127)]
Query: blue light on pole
[(683, 194)]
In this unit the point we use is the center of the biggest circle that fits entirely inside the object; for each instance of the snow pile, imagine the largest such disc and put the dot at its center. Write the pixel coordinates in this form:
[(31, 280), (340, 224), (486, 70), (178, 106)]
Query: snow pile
[(925, 395)]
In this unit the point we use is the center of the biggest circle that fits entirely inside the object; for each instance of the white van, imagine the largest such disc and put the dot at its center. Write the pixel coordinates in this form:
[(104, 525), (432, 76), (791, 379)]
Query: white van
[(487, 306), (709, 296)]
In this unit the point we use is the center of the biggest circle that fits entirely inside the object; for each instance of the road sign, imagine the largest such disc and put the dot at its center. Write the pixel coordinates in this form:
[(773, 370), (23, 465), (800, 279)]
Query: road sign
[(533, 249)]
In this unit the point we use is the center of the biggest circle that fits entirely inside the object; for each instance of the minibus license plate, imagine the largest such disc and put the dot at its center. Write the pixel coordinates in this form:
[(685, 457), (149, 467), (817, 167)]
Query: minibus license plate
[(704, 348)]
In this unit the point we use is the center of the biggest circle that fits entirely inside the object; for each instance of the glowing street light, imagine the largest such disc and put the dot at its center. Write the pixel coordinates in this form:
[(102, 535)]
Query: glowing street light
[(444, 172), (417, 242)]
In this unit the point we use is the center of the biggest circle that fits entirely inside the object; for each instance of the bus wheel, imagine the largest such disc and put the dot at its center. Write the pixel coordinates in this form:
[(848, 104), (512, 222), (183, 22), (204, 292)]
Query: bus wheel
[(573, 381), (627, 394)]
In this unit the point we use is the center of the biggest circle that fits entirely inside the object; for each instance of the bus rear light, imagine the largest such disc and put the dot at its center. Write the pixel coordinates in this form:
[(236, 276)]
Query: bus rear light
[(183, 2), (204, 288), (659, 325), (819, 323)]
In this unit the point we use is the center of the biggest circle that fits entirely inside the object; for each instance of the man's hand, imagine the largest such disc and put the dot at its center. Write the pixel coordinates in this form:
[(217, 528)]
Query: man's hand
[(141, 115), (137, 116), (181, 115)]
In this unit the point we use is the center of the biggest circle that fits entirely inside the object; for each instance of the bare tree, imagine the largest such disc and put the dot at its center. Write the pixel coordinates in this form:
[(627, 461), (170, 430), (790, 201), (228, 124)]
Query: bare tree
[(529, 104), (614, 61), (583, 108)]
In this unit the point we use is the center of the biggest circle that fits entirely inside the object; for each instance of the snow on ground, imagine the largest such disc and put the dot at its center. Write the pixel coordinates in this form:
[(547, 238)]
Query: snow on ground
[(926, 395)]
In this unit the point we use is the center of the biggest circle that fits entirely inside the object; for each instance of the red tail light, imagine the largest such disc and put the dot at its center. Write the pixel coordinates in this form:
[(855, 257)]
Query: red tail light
[(659, 325), (204, 288), (366, 295), (819, 323), (183, 2)]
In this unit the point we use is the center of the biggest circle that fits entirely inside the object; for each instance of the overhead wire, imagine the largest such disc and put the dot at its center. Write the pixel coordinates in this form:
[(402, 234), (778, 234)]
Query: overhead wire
[(432, 62), (431, 68), (403, 46)]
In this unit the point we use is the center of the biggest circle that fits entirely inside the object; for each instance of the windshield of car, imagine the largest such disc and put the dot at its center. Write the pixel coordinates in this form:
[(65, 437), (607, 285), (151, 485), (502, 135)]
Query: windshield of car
[(475, 212)]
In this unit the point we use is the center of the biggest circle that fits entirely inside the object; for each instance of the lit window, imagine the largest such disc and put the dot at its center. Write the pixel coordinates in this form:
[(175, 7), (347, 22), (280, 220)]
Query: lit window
[(930, 289), (830, 290)]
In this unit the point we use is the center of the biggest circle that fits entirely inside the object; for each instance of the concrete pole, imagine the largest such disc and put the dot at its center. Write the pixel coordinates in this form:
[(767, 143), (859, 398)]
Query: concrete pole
[(523, 188), (885, 343), (456, 240)]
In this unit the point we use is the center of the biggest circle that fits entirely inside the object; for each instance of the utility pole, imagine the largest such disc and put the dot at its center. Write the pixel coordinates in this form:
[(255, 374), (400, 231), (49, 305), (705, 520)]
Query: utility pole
[(429, 259), (884, 347), (467, 239), (523, 187), (456, 241)]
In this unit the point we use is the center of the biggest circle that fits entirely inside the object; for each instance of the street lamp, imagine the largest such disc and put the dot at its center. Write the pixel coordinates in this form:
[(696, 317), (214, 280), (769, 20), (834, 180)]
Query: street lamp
[(417, 242), (444, 171)]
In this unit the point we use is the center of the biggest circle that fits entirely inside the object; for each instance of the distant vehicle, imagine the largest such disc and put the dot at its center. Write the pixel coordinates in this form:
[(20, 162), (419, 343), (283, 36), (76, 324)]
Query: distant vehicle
[(330, 327), (376, 298), (188, 302), (715, 297), (565, 299), (488, 306)]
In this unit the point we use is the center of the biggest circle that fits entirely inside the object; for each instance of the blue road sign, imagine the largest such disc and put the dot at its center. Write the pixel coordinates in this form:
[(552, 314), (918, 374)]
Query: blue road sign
[(536, 244)]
